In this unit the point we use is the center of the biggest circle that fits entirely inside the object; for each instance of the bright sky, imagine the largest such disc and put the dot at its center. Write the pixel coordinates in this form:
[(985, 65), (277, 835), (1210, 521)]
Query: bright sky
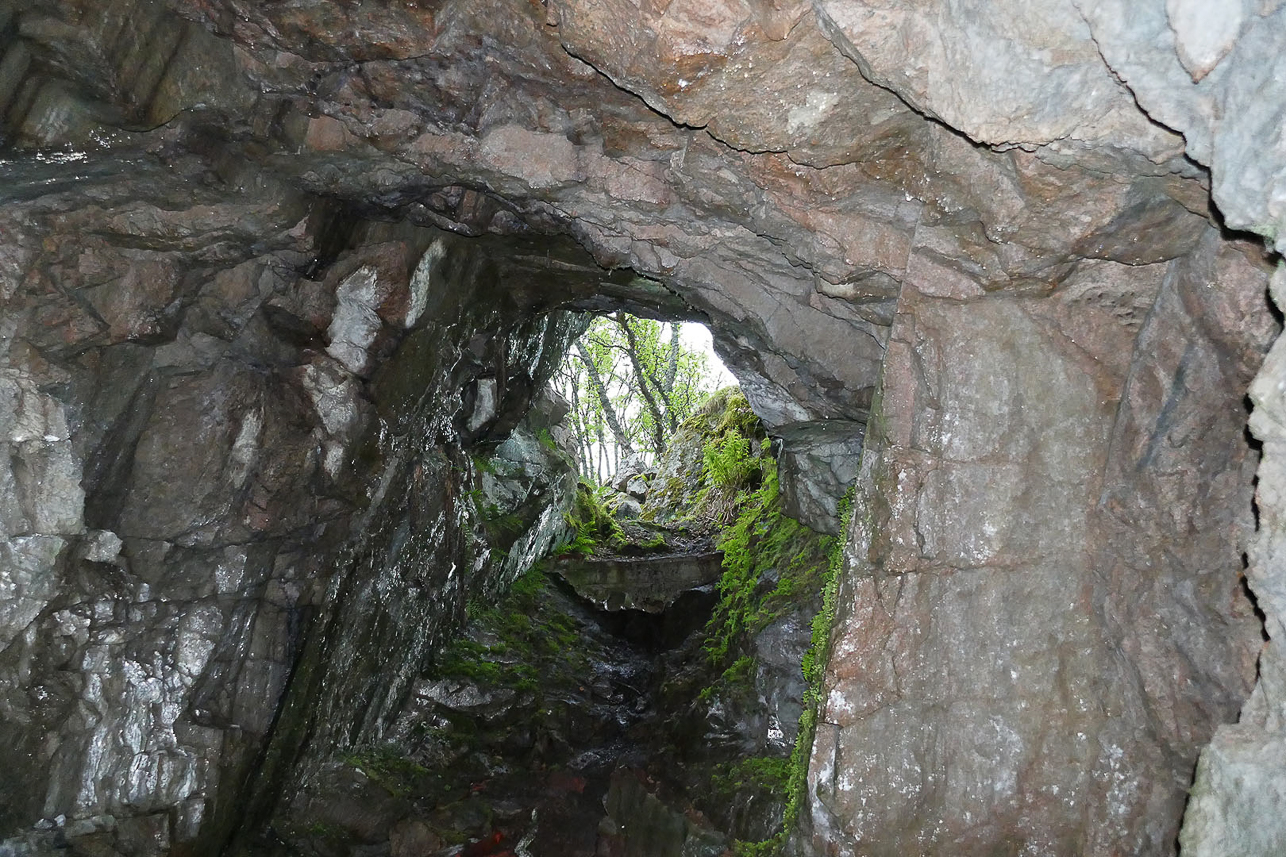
[(695, 337)]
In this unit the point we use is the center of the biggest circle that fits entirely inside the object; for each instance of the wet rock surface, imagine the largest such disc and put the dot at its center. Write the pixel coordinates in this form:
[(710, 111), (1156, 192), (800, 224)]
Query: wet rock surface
[(511, 737), (1004, 235), (559, 725), (180, 500), (1084, 621)]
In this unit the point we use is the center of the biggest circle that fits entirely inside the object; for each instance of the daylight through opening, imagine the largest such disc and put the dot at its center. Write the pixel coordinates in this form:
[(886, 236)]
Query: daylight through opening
[(629, 382)]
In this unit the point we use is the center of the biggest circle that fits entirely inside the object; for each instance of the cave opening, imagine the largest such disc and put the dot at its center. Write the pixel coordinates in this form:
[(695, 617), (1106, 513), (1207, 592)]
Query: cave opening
[(631, 646), (408, 369), (639, 683), (629, 382), (281, 286)]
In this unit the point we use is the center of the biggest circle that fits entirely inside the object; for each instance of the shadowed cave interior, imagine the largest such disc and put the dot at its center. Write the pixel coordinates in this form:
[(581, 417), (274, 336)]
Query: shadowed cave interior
[(292, 556)]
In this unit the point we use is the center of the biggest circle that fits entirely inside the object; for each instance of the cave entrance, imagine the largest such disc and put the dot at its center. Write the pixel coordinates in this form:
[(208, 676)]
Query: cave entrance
[(629, 383), (247, 496), (535, 649), (564, 708), (640, 690), (641, 687)]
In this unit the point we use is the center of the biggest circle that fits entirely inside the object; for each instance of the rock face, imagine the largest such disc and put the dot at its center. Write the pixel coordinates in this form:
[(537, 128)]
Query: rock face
[(190, 504), (1239, 782), (586, 713), (270, 272), (651, 585), (1099, 613)]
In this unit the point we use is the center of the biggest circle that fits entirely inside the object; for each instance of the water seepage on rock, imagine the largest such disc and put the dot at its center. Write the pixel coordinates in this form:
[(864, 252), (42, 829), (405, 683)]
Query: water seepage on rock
[(168, 548), (513, 732)]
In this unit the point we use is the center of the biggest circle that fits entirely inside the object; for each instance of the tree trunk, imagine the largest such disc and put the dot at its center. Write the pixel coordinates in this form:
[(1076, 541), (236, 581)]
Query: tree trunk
[(609, 413), (658, 418), (583, 451), (671, 374)]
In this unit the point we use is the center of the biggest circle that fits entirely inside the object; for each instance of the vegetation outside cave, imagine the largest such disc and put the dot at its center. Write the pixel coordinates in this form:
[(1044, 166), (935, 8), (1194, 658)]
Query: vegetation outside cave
[(630, 382)]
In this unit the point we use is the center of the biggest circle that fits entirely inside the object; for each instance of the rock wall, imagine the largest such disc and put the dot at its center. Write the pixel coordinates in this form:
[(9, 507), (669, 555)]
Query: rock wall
[(1240, 787), (219, 433), (1037, 491), (1007, 229)]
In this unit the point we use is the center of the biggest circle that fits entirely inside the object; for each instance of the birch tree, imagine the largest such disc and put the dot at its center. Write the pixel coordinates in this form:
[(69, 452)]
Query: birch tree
[(630, 382)]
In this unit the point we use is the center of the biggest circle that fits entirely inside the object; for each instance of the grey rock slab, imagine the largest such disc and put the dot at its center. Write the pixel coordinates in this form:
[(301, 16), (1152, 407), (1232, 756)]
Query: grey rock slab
[(993, 652), (1204, 33), (28, 580), (1240, 786), (648, 583), (1238, 796), (818, 464), (1034, 66), (1157, 49)]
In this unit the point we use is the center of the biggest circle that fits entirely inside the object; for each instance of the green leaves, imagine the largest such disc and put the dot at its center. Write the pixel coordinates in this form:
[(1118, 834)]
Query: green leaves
[(728, 460), (630, 382)]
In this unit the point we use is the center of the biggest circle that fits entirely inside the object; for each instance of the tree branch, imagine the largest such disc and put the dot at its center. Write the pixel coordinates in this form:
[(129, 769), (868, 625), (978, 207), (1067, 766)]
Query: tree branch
[(658, 419), (609, 413)]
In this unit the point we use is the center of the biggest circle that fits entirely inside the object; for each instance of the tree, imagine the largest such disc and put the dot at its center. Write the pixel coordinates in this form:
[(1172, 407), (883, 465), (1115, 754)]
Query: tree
[(630, 382)]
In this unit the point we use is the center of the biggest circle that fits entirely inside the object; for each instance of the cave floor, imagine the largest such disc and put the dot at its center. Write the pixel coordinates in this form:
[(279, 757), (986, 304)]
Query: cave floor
[(540, 732)]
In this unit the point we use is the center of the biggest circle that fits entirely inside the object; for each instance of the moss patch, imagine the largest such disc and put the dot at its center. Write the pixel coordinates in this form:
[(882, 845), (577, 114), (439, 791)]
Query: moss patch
[(760, 544), (391, 770), (772, 564), (594, 527), (519, 635), (814, 671)]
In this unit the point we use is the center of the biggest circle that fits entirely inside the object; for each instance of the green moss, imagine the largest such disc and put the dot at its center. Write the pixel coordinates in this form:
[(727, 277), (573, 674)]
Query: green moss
[(762, 774), (387, 767), (593, 525), (332, 833), (504, 529), (524, 634), (767, 848), (807, 563), (529, 586), (484, 464), (654, 544), (814, 669), (772, 566), (470, 661), (765, 777), (737, 680), (762, 539), (726, 409), (735, 458)]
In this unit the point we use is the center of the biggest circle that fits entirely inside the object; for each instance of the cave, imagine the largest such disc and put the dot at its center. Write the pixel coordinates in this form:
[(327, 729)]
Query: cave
[(276, 277)]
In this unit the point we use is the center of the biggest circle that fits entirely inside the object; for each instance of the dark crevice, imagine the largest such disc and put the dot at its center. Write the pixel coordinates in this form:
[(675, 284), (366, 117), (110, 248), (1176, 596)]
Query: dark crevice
[(651, 632), (338, 226), (107, 474), (1243, 582)]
